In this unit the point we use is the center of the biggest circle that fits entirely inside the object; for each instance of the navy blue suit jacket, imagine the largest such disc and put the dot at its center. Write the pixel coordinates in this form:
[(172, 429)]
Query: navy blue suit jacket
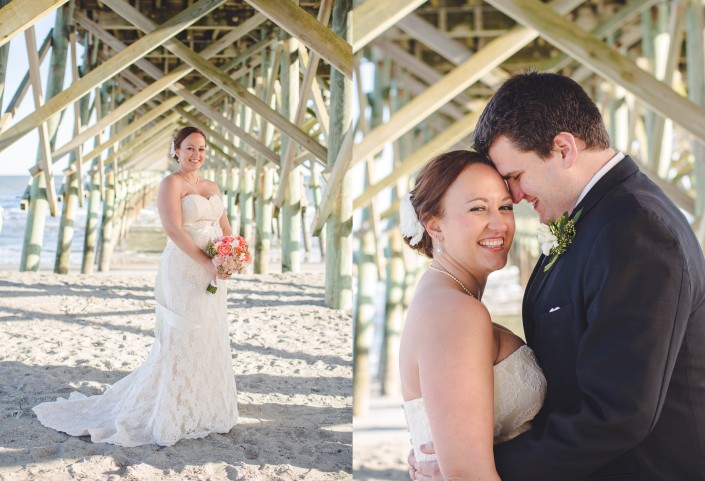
[(624, 355)]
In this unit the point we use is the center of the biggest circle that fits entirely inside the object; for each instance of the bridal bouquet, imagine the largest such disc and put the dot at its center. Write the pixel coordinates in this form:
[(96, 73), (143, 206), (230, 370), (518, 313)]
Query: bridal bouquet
[(229, 255)]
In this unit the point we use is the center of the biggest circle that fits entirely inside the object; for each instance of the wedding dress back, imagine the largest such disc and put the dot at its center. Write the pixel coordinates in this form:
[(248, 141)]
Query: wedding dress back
[(519, 390), (186, 387)]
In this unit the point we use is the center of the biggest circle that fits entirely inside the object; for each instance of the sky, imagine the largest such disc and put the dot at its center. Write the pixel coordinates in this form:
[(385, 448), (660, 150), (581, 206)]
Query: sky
[(19, 157)]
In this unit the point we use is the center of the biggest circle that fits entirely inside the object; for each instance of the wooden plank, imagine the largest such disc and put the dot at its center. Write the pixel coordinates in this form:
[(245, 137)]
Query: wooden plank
[(18, 15), (606, 62), (428, 74), (164, 82), (107, 70), (460, 78), (77, 116), (306, 85), (303, 26), (23, 87), (44, 147), (374, 17), (441, 143), (419, 29), (607, 26), (224, 81), (335, 181)]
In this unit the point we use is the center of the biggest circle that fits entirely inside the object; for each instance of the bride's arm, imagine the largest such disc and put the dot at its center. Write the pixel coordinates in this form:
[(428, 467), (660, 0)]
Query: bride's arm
[(455, 371), (169, 206)]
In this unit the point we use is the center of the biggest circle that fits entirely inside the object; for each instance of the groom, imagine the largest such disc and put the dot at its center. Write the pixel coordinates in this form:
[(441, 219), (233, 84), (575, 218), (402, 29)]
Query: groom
[(618, 321)]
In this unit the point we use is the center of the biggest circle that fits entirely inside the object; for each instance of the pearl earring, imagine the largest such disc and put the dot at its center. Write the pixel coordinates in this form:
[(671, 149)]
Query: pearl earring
[(438, 246)]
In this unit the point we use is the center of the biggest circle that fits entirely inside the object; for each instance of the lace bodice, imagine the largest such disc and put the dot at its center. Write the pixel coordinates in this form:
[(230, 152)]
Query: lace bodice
[(200, 216), (519, 390)]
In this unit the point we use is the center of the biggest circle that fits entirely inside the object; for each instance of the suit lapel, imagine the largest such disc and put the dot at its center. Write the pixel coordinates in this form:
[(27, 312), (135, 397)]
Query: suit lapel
[(617, 174)]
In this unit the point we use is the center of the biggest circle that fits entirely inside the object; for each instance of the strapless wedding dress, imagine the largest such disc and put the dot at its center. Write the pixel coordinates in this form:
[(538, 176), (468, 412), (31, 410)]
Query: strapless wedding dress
[(519, 390), (186, 386)]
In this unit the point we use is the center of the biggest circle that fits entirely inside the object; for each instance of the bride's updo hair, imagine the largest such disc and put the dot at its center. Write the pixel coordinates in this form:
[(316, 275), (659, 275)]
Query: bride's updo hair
[(180, 136), (431, 185)]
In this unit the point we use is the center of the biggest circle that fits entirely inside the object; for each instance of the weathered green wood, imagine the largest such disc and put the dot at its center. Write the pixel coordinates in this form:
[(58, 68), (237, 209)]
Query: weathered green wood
[(305, 228), (73, 185), (291, 208), (90, 240), (339, 224), (23, 87), (265, 206), (34, 228), (18, 15), (393, 314), (364, 321), (695, 61), (232, 189), (315, 185), (106, 70), (303, 26), (591, 51), (223, 80), (92, 221), (671, 22), (247, 186), (42, 194), (107, 225), (4, 53)]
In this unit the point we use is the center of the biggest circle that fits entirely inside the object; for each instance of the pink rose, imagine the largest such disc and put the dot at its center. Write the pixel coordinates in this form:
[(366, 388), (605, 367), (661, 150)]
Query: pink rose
[(228, 239), (225, 249)]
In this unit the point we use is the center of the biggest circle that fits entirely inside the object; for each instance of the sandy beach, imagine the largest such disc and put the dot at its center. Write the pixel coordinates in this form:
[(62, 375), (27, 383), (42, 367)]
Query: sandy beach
[(291, 358)]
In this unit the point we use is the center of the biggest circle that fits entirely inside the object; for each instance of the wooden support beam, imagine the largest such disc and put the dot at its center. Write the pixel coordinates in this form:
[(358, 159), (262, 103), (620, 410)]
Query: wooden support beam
[(607, 27), (18, 15), (454, 134), (107, 70), (419, 29), (606, 62), (164, 81), (373, 17), (460, 78), (303, 26), (335, 181), (304, 94), (44, 147), (661, 136), (428, 74), (23, 87), (221, 79)]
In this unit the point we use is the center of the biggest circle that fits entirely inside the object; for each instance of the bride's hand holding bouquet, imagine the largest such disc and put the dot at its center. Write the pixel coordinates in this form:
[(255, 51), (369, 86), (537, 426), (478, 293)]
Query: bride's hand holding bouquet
[(229, 255)]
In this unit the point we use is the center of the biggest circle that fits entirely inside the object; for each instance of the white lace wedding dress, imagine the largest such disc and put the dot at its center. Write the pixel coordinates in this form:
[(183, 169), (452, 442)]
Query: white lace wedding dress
[(519, 390), (186, 386)]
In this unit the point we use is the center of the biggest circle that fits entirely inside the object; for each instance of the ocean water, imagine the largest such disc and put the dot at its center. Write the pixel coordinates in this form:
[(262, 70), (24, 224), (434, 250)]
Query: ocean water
[(13, 226)]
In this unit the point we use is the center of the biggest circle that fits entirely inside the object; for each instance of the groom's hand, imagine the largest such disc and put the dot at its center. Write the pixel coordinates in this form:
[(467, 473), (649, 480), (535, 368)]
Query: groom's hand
[(424, 470)]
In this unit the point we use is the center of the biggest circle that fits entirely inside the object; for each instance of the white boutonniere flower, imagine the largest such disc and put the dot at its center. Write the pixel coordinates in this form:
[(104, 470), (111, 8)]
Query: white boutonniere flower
[(556, 236), (409, 221)]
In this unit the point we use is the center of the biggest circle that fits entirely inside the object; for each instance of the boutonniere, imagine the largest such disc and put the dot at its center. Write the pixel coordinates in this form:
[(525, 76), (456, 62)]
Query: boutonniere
[(556, 236)]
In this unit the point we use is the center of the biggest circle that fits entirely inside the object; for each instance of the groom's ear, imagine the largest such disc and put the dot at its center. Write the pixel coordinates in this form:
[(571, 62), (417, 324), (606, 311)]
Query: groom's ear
[(567, 146)]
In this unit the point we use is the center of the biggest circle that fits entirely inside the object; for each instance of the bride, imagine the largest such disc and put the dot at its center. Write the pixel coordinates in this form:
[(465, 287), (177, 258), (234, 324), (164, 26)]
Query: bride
[(467, 383), (186, 387)]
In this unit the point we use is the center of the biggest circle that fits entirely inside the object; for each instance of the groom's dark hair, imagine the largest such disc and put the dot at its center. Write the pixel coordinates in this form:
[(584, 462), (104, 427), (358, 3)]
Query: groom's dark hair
[(531, 108)]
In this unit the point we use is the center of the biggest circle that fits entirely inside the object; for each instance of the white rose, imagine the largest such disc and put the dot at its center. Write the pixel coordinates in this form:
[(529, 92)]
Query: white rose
[(547, 239)]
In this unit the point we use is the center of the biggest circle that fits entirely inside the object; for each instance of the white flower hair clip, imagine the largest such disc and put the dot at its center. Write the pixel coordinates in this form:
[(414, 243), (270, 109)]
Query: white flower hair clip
[(172, 150), (409, 221)]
